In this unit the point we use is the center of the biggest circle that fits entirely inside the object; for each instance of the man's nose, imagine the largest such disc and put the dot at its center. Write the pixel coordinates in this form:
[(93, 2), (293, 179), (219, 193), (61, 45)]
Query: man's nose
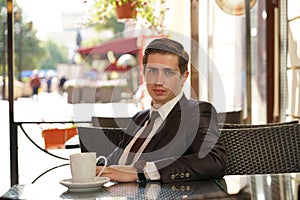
[(160, 78)]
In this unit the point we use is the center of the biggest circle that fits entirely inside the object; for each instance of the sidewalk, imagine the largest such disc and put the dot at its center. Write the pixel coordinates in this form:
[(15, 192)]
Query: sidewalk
[(32, 161), (47, 107)]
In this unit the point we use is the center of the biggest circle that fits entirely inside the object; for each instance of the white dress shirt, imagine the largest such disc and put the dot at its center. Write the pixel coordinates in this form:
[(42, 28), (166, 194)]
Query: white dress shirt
[(150, 169)]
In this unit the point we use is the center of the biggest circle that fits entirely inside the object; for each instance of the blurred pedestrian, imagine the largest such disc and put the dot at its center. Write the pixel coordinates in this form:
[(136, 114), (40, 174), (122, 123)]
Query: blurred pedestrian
[(49, 81), (61, 84), (35, 82)]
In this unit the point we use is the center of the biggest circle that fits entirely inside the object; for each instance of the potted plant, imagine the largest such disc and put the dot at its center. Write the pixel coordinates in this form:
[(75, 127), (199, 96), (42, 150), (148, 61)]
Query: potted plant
[(126, 10), (148, 13), (56, 137)]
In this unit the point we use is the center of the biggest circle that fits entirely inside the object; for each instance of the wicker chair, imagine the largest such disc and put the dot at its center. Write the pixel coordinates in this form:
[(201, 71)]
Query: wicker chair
[(262, 150), (111, 122), (232, 117), (101, 140), (235, 126)]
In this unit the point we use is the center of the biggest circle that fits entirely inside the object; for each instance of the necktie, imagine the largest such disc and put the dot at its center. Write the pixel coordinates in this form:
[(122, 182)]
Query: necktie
[(139, 141)]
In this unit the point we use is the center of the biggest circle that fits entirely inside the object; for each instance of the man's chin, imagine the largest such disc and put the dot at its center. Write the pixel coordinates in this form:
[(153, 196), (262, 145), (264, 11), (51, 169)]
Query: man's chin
[(158, 101)]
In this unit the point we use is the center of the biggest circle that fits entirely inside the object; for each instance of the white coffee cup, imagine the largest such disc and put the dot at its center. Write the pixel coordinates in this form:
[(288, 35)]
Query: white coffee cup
[(83, 167)]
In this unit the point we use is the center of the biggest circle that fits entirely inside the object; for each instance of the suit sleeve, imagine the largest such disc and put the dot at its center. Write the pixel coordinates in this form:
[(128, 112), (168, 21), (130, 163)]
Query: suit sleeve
[(205, 155)]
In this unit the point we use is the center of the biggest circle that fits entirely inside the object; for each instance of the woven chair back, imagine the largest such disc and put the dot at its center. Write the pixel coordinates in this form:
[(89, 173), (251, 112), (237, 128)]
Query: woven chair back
[(262, 150), (111, 122), (101, 140), (235, 126), (232, 117)]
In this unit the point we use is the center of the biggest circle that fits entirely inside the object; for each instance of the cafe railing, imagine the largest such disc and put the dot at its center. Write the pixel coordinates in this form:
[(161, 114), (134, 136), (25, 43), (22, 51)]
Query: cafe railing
[(20, 124)]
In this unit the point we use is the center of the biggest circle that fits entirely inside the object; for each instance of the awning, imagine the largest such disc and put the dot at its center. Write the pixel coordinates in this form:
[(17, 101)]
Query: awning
[(114, 67), (118, 46)]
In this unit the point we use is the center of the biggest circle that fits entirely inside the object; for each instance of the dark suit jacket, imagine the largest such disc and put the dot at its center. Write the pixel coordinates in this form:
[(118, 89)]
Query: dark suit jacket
[(186, 146)]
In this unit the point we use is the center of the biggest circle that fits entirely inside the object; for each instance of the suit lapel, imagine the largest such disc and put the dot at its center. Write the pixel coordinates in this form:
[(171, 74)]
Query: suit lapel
[(135, 127), (164, 135)]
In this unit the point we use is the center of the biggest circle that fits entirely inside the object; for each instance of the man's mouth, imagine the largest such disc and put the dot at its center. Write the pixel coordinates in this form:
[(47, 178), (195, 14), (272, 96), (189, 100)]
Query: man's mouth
[(158, 91)]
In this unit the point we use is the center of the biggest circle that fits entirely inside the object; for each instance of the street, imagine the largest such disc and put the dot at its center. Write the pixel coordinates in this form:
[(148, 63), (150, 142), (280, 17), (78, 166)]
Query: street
[(46, 107)]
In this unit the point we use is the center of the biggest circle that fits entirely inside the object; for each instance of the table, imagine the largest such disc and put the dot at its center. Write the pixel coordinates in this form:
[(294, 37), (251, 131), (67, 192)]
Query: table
[(277, 186)]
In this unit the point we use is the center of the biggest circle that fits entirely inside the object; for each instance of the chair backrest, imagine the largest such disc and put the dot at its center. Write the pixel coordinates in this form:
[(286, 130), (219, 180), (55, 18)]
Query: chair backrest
[(101, 140), (232, 117), (235, 126), (111, 122), (262, 150)]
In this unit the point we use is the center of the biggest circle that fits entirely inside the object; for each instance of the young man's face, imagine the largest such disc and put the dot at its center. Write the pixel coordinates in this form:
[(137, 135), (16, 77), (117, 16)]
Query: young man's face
[(163, 78)]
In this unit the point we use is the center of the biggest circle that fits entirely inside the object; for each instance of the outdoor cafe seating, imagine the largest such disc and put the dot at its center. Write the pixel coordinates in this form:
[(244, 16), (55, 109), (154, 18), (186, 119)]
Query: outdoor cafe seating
[(263, 159), (252, 149), (261, 149)]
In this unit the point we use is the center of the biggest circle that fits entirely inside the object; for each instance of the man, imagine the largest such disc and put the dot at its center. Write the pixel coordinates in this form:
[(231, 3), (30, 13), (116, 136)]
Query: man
[(35, 83), (183, 144), (61, 84)]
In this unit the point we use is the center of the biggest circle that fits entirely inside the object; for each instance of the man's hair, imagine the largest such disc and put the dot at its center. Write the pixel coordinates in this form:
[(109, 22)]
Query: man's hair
[(167, 46)]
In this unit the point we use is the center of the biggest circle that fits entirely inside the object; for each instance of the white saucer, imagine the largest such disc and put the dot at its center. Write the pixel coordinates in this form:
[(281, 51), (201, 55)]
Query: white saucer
[(84, 187)]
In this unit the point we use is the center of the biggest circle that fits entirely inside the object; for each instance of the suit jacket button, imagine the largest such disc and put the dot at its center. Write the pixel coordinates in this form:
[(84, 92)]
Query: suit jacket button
[(172, 176), (187, 175), (182, 175), (176, 176)]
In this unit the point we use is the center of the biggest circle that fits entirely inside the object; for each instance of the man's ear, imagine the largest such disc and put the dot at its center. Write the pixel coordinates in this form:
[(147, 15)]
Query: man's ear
[(184, 76)]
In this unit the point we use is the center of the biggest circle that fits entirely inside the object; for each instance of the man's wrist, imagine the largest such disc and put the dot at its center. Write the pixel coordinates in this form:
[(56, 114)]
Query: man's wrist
[(140, 165)]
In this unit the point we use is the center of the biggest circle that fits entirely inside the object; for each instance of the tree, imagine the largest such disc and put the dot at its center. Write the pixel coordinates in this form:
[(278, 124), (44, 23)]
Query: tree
[(27, 44), (54, 54), (2, 32), (27, 50), (112, 24)]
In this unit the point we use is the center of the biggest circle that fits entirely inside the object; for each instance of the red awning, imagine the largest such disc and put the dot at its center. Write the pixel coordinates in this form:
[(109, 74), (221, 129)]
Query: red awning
[(118, 46), (114, 67)]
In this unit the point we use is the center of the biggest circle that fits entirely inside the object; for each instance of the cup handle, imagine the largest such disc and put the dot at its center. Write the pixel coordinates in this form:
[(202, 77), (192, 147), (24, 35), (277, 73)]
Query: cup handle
[(105, 163)]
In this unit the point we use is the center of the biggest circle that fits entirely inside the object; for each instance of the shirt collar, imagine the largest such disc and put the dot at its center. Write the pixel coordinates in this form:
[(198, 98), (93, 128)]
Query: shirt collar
[(165, 109)]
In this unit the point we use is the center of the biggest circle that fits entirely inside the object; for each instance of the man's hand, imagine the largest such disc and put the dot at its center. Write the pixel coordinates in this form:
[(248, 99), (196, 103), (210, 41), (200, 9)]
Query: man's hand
[(119, 173)]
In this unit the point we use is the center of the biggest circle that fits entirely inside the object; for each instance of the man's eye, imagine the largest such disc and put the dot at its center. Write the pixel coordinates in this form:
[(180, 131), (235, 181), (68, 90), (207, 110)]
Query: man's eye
[(170, 73), (152, 71)]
